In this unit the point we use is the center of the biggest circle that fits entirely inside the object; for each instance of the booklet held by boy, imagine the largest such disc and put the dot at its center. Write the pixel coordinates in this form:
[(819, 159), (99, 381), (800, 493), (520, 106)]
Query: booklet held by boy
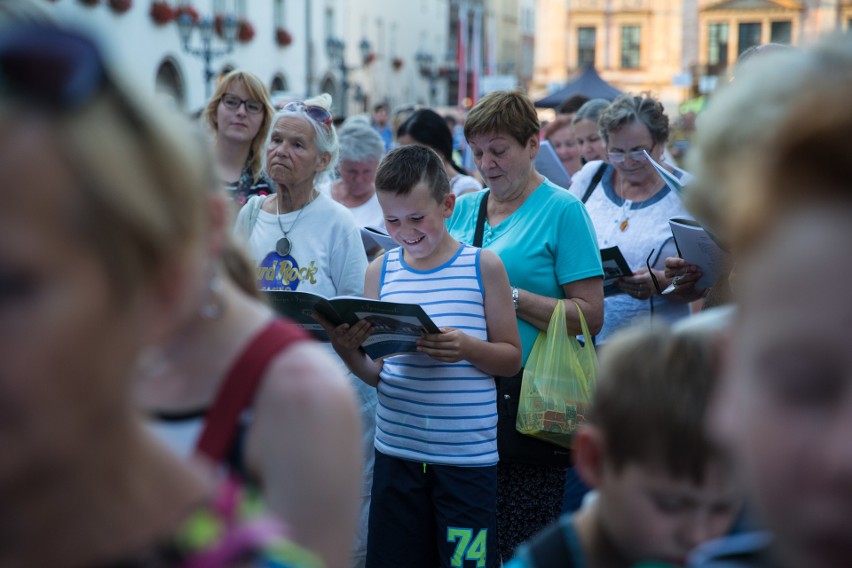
[(396, 327)]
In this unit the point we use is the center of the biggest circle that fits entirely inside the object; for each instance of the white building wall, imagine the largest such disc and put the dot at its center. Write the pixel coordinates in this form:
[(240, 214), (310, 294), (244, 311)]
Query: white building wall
[(394, 29)]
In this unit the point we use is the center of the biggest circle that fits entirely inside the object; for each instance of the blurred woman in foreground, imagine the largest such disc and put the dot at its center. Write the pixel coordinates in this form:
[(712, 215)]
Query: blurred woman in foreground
[(105, 235)]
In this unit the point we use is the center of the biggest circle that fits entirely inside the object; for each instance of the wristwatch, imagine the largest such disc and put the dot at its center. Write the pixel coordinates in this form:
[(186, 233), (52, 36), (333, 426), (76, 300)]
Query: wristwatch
[(515, 298)]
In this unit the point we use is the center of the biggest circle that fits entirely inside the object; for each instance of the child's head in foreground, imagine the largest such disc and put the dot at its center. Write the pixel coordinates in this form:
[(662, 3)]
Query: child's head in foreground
[(414, 192), (663, 487)]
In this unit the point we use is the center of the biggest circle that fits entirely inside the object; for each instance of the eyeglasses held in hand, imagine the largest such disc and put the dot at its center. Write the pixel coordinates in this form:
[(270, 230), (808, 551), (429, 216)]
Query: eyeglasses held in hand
[(233, 102), (316, 113), (48, 66), (651, 272), (636, 155)]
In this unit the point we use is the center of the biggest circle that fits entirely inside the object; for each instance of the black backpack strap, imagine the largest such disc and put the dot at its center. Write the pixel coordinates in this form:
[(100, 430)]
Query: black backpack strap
[(550, 548), (480, 221), (595, 181)]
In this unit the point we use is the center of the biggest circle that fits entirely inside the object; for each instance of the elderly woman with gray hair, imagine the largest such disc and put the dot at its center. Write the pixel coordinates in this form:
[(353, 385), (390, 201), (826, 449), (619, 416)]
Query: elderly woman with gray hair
[(361, 150), (630, 206), (300, 238)]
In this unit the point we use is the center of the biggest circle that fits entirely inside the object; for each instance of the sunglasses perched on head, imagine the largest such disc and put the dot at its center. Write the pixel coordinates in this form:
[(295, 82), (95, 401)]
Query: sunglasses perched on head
[(316, 113), (48, 66), (233, 102)]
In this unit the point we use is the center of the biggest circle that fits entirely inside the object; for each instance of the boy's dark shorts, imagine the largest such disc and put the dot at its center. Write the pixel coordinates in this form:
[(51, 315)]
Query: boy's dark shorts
[(432, 515)]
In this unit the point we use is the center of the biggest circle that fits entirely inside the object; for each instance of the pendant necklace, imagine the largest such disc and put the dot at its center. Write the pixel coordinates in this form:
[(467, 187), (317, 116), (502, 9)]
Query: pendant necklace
[(625, 220), (284, 244)]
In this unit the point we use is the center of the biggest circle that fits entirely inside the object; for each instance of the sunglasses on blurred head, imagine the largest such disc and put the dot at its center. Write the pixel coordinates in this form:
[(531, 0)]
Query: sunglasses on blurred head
[(49, 67), (316, 113)]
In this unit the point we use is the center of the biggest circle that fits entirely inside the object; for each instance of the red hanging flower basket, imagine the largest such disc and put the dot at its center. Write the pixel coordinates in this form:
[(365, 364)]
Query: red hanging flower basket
[(162, 13), (120, 6), (246, 31), (283, 37), (218, 24), (397, 63), (90, 2), (190, 11)]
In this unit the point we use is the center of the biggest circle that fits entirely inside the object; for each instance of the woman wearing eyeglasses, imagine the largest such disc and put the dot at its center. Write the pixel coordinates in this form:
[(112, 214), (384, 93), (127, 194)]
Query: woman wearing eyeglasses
[(240, 114), (630, 206)]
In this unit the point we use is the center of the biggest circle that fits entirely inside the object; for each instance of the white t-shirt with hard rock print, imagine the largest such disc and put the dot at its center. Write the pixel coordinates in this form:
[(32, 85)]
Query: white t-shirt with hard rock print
[(327, 255)]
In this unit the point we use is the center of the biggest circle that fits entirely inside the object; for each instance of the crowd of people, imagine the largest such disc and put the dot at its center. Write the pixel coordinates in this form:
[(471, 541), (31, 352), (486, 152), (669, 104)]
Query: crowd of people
[(155, 410)]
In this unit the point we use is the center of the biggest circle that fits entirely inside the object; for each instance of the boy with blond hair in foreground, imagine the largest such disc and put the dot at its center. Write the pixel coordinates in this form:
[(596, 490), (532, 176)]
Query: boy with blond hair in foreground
[(661, 486)]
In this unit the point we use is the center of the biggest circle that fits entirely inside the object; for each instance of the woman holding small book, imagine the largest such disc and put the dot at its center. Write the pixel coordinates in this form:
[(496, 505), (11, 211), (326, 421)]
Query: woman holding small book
[(630, 206)]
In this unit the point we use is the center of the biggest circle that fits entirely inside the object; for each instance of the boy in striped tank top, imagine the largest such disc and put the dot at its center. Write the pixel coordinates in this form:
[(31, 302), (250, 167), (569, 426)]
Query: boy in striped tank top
[(435, 482)]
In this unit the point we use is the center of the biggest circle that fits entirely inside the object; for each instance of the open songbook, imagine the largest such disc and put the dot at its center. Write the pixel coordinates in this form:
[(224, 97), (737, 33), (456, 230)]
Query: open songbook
[(672, 181), (396, 327)]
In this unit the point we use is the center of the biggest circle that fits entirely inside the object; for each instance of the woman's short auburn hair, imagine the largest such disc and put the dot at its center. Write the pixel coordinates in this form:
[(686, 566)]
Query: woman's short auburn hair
[(505, 112), (257, 91)]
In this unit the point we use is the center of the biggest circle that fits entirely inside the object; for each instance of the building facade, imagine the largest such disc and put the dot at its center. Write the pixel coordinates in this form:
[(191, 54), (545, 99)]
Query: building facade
[(674, 49), (360, 51)]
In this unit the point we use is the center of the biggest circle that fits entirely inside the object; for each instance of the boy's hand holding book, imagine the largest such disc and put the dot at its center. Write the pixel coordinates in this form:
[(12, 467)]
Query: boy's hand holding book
[(345, 338), (449, 346)]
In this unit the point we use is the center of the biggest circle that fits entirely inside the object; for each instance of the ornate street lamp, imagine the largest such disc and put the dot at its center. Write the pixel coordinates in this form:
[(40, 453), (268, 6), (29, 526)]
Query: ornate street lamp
[(425, 64), (336, 50), (206, 30)]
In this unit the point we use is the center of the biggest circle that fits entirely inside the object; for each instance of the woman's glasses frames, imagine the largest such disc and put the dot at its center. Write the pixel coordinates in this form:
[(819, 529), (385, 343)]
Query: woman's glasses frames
[(233, 102), (635, 155)]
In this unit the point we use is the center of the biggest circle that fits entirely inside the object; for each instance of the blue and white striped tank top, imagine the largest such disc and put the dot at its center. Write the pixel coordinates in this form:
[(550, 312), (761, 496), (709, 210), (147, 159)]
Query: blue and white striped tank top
[(429, 411)]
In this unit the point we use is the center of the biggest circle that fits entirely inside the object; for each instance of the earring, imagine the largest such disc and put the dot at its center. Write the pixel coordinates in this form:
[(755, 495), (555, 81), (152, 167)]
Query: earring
[(212, 303)]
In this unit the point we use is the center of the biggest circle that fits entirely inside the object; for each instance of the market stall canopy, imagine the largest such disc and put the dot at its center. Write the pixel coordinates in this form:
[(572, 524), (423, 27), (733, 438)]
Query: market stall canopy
[(588, 83)]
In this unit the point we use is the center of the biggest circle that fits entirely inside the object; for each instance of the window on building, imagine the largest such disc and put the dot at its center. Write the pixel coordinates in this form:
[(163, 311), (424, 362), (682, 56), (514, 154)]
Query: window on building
[(749, 36), (329, 23), (278, 13), (717, 48), (586, 46), (781, 32), (630, 41)]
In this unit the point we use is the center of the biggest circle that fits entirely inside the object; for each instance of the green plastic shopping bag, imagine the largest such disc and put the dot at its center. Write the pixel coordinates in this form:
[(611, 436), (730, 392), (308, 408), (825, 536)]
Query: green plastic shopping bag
[(558, 382)]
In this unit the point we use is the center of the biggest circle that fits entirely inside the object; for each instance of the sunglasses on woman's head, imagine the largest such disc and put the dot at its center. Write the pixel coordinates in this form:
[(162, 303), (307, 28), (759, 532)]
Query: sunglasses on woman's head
[(233, 102), (316, 113), (48, 66)]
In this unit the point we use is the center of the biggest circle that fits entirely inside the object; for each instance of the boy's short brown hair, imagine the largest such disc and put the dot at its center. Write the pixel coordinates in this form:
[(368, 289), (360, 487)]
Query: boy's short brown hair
[(652, 392), (406, 166)]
